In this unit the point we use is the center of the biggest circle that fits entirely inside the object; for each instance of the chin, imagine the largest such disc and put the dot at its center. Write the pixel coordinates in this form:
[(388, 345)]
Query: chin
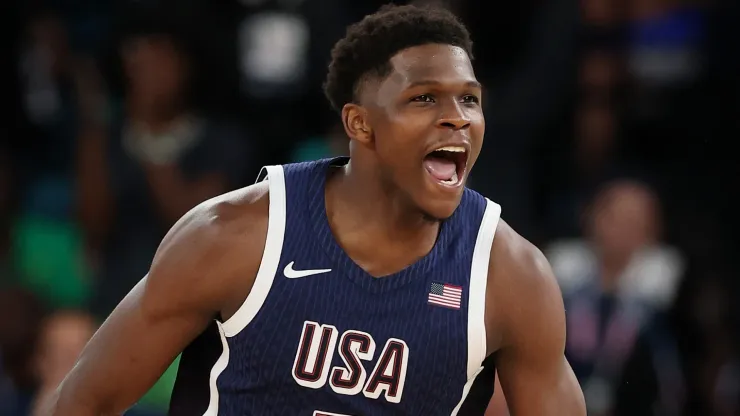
[(440, 210)]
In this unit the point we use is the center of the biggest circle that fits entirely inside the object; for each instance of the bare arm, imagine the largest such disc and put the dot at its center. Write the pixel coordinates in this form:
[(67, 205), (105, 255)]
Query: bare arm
[(497, 406), (535, 377), (197, 273)]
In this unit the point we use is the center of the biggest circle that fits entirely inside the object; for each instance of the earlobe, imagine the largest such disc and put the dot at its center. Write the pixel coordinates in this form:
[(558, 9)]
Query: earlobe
[(355, 123)]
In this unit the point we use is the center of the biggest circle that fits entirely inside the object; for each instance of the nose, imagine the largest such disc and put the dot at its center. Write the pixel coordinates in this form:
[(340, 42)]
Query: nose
[(453, 117)]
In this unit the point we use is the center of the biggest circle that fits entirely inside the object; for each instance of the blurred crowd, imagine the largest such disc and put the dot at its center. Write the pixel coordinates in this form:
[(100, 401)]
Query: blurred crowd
[(608, 131)]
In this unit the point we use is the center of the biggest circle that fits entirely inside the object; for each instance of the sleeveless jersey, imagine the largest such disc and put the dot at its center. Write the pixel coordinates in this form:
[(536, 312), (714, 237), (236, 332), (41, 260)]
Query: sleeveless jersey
[(319, 336)]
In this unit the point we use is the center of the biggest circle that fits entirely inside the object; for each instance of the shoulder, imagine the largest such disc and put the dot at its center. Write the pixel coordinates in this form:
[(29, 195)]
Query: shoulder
[(522, 289), (523, 262), (220, 221), (212, 254)]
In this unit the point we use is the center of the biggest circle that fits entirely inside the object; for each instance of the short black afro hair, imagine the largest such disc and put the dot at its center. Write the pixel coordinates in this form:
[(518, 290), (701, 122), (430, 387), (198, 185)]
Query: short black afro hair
[(369, 45)]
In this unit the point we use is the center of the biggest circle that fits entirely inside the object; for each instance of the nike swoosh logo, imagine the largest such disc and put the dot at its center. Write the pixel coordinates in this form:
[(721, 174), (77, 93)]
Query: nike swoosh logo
[(291, 273)]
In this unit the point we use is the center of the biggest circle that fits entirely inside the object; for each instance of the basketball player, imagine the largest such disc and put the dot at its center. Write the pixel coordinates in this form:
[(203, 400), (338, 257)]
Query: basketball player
[(371, 285)]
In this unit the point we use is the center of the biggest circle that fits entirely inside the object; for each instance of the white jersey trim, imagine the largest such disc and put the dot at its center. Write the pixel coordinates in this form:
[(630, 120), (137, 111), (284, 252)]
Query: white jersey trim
[(262, 283), (270, 256), (477, 296), (218, 368)]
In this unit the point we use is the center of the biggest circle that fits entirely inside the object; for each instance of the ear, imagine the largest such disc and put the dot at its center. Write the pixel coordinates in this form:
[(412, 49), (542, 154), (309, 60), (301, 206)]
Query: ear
[(354, 118)]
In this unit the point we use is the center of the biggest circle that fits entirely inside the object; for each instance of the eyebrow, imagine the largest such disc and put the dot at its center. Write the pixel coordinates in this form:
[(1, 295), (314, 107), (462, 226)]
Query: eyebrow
[(469, 84)]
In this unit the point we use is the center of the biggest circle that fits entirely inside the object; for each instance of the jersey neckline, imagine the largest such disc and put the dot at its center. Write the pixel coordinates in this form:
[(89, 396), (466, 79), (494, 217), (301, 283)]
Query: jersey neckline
[(344, 263)]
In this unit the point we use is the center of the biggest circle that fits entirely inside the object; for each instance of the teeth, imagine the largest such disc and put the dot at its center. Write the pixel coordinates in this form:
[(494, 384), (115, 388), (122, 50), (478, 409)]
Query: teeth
[(452, 180), (456, 149)]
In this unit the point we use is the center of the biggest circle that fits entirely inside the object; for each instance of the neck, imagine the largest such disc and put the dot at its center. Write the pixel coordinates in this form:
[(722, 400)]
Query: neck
[(156, 116), (374, 209), (612, 268)]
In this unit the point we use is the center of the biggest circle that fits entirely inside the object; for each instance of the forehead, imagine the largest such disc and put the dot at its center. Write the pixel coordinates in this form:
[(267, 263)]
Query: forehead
[(627, 197), (443, 64)]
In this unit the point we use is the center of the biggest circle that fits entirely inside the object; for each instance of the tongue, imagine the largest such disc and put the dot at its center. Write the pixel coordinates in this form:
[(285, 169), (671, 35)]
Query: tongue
[(441, 169)]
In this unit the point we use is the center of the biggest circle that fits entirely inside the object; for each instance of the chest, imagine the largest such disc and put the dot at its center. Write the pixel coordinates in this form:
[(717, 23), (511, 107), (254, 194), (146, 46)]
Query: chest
[(324, 334)]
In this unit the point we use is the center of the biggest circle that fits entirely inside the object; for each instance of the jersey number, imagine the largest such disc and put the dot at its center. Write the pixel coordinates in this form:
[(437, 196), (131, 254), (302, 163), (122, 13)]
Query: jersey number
[(311, 367)]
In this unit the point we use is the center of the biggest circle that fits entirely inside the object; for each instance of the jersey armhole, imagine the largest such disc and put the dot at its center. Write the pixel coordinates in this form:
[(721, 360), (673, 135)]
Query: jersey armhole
[(270, 256), (477, 344), (477, 297)]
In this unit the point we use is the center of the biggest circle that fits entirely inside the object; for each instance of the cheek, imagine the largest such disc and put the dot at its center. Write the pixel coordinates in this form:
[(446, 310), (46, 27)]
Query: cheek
[(393, 158), (397, 155), (394, 141), (477, 133)]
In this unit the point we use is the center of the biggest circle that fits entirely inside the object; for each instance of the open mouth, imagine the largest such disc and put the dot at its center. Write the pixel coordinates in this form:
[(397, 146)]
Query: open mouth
[(447, 164)]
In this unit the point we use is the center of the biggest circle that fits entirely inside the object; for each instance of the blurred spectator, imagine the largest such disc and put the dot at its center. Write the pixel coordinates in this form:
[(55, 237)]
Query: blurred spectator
[(144, 163), (665, 41), (664, 48), (9, 125), (595, 138), (589, 150), (47, 67), (43, 239), (283, 49), (5, 204), (576, 167), (602, 13), (62, 337), (717, 358), (599, 72), (21, 315), (618, 283), (525, 56)]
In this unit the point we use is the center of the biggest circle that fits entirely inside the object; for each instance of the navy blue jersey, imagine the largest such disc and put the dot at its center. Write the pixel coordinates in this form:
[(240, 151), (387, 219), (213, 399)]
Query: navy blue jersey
[(318, 335)]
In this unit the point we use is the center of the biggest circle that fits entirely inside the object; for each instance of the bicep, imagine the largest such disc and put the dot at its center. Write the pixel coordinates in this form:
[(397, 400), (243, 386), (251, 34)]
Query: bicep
[(131, 350), (534, 374), (161, 315), (497, 405), (539, 387)]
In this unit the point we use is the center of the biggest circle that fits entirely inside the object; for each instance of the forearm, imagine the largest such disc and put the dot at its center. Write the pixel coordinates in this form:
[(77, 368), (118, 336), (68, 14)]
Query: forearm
[(497, 406), (66, 402), (558, 391)]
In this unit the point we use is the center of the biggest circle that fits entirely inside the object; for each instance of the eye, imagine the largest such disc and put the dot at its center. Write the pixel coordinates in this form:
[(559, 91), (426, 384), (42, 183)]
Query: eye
[(424, 98), (470, 99)]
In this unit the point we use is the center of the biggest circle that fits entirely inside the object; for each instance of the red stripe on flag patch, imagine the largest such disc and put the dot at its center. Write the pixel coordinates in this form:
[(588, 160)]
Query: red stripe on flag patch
[(447, 295)]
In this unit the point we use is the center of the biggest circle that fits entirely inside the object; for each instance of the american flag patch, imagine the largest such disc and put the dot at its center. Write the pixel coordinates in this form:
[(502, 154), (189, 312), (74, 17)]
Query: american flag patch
[(443, 294)]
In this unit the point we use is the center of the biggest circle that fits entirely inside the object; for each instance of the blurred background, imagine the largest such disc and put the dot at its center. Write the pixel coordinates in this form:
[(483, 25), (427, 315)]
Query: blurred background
[(609, 124)]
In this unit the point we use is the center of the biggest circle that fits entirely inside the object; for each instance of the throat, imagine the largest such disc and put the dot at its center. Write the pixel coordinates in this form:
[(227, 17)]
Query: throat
[(382, 251), (381, 232)]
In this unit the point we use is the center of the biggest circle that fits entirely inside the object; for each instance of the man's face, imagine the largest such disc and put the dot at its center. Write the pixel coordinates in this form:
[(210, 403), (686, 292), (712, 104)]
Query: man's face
[(154, 67), (428, 125), (624, 219)]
